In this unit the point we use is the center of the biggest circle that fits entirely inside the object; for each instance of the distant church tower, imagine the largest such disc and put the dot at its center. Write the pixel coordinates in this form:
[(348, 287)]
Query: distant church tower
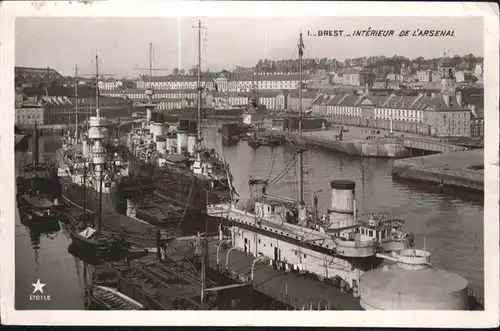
[(448, 82)]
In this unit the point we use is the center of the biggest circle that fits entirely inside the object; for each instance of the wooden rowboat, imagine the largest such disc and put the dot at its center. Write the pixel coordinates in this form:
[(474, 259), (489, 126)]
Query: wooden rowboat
[(107, 298)]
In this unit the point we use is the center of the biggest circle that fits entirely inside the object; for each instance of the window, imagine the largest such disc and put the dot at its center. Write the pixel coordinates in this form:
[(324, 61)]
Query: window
[(259, 241), (370, 233), (362, 231), (305, 256)]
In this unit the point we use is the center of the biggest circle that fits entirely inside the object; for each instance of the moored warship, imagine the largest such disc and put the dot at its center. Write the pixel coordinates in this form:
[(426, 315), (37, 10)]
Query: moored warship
[(183, 170), (94, 177)]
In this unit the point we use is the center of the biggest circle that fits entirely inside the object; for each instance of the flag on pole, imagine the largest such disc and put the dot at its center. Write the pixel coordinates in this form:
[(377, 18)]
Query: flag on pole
[(215, 84), (301, 46)]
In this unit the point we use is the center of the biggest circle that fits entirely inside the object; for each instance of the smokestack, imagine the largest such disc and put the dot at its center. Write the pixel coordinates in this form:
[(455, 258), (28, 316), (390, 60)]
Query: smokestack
[(446, 98), (459, 98), (191, 137), (171, 138), (182, 136), (342, 203)]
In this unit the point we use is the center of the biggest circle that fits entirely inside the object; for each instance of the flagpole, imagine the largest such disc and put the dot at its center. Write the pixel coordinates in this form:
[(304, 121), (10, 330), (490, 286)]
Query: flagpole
[(301, 157), (198, 140)]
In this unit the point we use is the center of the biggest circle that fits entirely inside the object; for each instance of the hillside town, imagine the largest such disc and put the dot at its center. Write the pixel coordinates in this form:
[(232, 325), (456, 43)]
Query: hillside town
[(416, 99)]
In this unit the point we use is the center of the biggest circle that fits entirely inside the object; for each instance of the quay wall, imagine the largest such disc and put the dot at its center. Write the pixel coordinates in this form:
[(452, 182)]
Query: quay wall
[(447, 169), (382, 148)]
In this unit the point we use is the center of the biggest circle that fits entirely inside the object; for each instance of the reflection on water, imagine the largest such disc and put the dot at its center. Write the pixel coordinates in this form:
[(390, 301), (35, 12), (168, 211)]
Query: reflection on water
[(449, 223)]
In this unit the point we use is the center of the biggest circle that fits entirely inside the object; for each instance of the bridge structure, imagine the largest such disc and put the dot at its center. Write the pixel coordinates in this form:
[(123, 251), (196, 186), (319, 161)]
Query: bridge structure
[(428, 145)]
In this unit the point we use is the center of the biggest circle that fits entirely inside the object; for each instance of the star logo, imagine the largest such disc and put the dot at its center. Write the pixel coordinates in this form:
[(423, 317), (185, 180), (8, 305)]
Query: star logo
[(38, 286)]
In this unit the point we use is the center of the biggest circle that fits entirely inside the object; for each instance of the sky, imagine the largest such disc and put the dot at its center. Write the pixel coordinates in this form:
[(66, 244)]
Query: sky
[(123, 43)]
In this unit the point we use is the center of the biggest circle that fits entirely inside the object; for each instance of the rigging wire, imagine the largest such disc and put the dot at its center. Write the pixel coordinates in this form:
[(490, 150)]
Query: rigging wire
[(187, 202), (284, 170), (284, 173)]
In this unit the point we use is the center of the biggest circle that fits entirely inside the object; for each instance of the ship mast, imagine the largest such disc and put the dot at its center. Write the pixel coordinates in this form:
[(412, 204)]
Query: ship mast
[(301, 151), (96, 81), (199, 88), (100, 170), (76, 102), (150, 95)]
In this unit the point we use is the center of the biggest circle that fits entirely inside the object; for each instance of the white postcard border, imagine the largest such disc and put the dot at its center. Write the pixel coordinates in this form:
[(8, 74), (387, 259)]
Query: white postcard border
[(487, 318)]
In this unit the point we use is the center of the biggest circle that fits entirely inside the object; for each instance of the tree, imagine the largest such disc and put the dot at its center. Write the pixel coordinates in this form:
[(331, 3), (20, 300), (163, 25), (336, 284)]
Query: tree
[(182, 71), (175, 72), (192, 71)]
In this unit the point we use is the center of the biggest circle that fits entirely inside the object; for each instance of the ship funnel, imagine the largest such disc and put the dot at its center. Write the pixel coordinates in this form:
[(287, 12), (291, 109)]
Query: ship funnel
[(171, 138), (157, 129), (191, 137), (342, 207), (182, 131)]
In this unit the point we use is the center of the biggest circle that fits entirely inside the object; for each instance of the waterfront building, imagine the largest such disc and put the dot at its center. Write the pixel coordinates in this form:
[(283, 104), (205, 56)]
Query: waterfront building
[(438, 114), (175, 82), (30, 114), (293, 101), (42, 111), (282, 100), (226, 99), (136, 94), (222, 83), (380, 84), (424, 76), (109, 84), (171, 103), (393, 84), (352, 77), (337, 78), (392, 77), (269, 98)]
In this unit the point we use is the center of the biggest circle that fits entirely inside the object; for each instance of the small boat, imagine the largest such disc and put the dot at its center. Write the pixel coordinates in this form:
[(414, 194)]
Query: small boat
[(252, 142), (37, 210), (107, 298), (89, 241), (270, 140)]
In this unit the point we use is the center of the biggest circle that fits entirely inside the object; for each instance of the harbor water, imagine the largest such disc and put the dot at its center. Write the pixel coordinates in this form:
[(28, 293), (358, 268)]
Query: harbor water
[(447, 223)]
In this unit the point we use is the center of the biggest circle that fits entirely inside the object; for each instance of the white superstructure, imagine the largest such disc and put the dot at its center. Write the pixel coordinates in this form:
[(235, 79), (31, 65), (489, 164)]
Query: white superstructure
[(335, 245), (92, 155)]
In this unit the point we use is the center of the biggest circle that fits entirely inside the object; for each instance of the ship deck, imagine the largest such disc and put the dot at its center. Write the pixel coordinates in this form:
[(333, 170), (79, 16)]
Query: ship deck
[(133, 230), (298, 291)]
